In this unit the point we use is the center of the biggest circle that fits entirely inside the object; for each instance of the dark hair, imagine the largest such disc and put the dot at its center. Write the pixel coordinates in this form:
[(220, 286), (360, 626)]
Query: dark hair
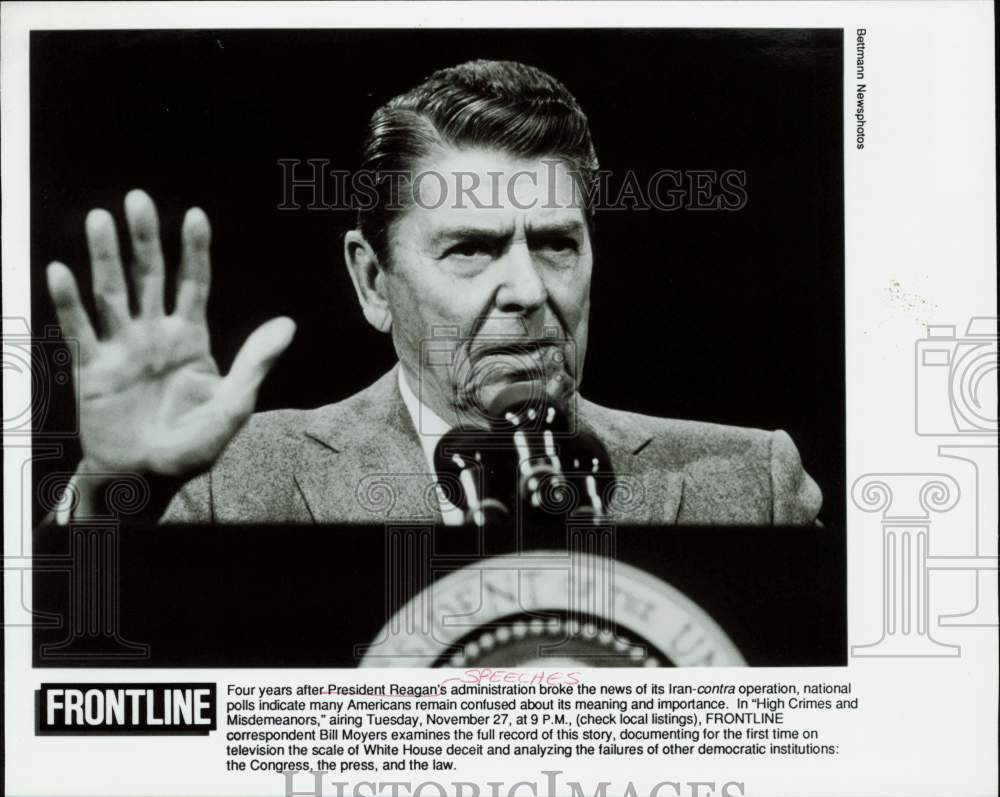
[(504, 105)]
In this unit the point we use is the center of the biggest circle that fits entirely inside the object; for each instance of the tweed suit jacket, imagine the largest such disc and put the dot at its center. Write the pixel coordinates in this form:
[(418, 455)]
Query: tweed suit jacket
[(360, 461)]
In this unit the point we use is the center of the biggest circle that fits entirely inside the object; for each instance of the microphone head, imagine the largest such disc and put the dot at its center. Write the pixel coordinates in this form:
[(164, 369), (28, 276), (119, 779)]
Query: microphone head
[(575, 480), (523, 463), (476, 473), (525, 407)]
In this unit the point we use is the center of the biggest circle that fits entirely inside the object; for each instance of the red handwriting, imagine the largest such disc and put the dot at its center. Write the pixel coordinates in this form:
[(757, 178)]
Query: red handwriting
[(486, 675)]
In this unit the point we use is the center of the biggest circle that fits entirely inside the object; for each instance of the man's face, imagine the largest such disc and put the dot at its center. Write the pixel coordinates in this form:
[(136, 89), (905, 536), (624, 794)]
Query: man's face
[(490, 270)]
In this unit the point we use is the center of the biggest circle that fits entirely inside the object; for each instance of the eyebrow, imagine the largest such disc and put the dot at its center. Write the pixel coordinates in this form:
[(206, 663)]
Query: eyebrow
[(498, 234), (556, 228), (470, 233)]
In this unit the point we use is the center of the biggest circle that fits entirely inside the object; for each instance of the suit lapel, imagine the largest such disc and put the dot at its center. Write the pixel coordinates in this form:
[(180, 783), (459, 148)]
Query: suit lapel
[(363, 463), (645, 493)]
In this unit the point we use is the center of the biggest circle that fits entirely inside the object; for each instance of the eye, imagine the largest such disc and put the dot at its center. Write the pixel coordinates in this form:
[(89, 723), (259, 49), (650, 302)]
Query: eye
[(470, 249), (557, 244)]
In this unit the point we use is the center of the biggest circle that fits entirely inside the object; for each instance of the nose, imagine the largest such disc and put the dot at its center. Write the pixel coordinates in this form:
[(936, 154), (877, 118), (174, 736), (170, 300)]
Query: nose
[(522, 290)]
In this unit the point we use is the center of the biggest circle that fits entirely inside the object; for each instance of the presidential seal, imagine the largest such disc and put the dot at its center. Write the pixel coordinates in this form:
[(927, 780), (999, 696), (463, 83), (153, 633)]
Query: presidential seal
[(551, 609)]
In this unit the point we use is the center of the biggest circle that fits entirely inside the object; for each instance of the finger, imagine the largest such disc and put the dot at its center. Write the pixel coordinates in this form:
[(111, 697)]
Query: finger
[(70, 310), (110, 291), (195, 276), (147, 271), (256, 357)]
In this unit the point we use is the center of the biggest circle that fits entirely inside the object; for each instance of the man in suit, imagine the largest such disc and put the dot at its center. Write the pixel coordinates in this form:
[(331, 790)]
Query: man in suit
[(489, 236)]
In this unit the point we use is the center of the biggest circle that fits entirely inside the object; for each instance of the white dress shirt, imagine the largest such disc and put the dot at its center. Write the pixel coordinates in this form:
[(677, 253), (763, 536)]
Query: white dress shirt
[(430, 429)]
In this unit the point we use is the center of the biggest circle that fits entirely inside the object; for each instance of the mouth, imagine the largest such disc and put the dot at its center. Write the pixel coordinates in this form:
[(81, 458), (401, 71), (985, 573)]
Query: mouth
[(539, 365), (511, 348), (529, 361)]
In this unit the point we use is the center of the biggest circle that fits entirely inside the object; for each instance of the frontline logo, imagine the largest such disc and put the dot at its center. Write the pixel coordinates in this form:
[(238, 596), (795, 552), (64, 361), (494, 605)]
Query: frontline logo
[(551, 609), (125, 709)]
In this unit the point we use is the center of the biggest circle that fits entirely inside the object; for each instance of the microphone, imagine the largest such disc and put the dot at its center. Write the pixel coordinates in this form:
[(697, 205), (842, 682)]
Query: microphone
[(526, 462), (472, 475)]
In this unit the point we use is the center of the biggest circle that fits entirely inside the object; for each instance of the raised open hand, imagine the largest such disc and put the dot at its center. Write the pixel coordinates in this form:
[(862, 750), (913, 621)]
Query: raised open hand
[(150, 395)]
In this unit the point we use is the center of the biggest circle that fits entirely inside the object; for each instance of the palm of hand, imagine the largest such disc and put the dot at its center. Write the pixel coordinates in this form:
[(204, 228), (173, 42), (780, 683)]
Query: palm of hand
[(150, 401), (151, 398)]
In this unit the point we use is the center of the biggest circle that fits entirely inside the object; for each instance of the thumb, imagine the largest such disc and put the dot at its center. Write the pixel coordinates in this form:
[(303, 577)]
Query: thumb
[(253, 362)]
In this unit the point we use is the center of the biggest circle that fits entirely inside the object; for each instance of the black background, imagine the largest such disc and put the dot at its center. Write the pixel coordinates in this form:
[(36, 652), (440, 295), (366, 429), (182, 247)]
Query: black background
[(778, 593), (734, 317), (731, 317)]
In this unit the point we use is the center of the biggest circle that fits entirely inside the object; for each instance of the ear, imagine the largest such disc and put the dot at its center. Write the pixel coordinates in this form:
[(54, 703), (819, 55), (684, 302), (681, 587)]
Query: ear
[(369, 280)]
